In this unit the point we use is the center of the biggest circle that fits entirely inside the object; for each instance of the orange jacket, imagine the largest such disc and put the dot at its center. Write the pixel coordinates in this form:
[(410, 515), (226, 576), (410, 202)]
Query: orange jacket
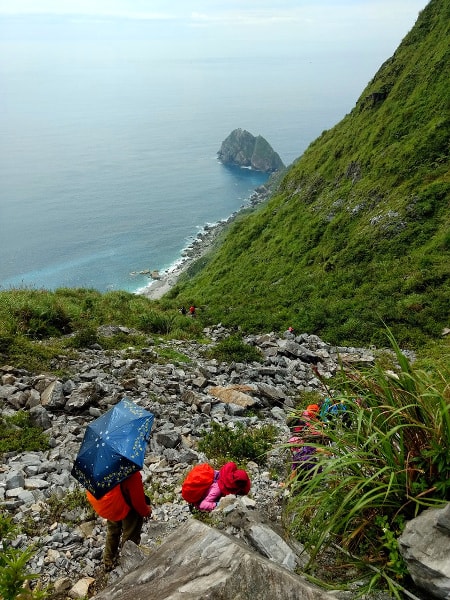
[(114, 507)]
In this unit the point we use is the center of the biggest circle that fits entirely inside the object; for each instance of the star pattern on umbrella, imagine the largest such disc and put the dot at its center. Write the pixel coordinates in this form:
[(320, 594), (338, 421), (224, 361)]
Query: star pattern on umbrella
[(113, 447)]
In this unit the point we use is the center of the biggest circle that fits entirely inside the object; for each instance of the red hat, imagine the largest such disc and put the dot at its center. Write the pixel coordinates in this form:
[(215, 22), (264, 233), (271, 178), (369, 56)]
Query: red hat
[(313, 408), (233, 480)]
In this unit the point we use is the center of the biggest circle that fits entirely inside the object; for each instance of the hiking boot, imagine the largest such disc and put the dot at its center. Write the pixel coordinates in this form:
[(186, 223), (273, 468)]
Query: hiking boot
[(108, 566)]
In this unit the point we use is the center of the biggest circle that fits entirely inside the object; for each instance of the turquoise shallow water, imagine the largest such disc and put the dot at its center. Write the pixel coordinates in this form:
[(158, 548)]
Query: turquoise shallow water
[(108, 163)]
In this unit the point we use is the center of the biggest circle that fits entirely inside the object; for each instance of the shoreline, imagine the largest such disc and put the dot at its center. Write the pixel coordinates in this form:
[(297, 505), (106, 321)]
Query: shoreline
[(202, 243)]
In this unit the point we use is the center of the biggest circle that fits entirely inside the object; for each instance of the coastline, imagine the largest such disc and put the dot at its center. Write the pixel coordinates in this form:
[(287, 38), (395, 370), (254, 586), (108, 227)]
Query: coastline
[(198, 248)]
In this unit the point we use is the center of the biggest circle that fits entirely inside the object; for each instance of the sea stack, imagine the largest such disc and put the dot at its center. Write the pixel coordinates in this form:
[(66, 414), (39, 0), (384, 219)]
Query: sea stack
[(243, 149)]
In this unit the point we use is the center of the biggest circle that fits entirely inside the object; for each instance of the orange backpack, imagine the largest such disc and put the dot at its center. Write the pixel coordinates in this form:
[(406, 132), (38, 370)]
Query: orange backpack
[(197, 483)]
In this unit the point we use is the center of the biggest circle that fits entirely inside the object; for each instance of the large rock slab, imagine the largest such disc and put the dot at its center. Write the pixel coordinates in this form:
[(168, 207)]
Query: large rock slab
[(198, 562), (425, 547)]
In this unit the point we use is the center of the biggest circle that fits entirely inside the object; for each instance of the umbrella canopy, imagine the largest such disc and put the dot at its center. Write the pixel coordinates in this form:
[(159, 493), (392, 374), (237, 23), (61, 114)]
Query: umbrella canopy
[(113, 447)]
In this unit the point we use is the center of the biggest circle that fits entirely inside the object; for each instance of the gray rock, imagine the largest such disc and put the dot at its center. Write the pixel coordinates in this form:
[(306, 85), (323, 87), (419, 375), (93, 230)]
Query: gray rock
[(443, 521), (198, 562), (167, 439), (33, 398), (425, 548), (82, 397), (40, 417), (271, 392), (14, 479), (53, 395), (184, 410), (271, 545), (6, 391)]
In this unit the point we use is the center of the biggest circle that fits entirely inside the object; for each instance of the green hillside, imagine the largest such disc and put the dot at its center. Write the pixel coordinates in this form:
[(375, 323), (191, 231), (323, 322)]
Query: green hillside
[(357, 233)]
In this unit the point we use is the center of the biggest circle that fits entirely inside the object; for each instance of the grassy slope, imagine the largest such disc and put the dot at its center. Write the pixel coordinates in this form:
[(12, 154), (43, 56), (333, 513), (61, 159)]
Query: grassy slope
[(359, 229)]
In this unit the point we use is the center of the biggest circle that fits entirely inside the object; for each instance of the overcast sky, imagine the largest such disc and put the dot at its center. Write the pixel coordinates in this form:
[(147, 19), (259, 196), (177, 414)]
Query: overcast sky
[(227, 27)]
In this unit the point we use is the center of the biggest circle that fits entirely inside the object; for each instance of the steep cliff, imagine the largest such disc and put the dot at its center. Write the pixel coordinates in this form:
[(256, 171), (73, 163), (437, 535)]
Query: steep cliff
[(243, 149), (357, 234)]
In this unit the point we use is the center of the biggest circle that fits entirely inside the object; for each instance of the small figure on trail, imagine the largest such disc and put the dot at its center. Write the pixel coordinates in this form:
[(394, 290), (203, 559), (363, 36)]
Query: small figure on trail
[(289, 333), (192, 310), (204, 487), (124, 507), (304, 458), (334, 411), (183, 310), (308, 421)]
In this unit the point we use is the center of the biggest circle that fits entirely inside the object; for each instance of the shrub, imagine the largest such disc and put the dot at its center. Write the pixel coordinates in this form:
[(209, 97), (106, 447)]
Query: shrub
[(239, 445), (389, 465), (18, 434), (6, 341), (84, 338), (39, 322), (157, 322), (73, 500), (234, 349)]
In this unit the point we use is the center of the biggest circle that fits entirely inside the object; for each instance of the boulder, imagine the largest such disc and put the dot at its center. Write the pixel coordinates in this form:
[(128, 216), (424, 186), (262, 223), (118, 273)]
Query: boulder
[(198, 562), (425, 547)]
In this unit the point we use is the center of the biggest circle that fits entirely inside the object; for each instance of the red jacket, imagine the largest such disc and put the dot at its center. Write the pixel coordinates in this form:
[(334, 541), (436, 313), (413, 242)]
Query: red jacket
[(116, 504)]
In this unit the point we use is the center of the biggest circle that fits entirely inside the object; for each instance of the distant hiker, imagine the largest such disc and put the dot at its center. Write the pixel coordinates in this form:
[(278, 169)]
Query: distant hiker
[(204, 494), (324, 414), (304, 458), (192, 310), (333, 412), (125, 507), (183, 310), (289, 333), (308, 421), (312, 411)]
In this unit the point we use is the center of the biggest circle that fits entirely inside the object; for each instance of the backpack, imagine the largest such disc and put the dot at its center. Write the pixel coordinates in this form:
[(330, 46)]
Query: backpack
[(197, 483)]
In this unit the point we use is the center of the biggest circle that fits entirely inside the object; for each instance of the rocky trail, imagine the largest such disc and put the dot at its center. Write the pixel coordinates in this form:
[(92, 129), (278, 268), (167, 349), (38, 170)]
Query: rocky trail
[(186, 396)]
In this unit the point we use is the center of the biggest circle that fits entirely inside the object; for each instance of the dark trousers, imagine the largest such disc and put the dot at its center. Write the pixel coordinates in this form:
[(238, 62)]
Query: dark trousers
[(128, 529)]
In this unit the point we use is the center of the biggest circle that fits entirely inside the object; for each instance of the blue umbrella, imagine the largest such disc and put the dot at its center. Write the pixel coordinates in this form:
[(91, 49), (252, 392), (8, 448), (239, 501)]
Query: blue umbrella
[(113, 447)]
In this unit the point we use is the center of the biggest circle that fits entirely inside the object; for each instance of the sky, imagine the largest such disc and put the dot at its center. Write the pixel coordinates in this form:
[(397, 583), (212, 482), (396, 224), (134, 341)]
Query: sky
[(195, 28)]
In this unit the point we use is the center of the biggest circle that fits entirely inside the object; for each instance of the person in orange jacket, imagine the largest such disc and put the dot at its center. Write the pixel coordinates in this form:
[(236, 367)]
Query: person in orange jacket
[(124, 507)]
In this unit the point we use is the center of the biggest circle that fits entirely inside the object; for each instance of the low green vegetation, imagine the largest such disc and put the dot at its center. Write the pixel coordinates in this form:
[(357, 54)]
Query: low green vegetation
[(160, 492), (8, 529), (18, 434), (234, 349), (37, 325), (15, 576), (74, 500), (374, 474), (242, 444)]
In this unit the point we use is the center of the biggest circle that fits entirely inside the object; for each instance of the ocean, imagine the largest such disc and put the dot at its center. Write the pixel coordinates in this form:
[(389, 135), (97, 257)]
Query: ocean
[(108, 162)]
